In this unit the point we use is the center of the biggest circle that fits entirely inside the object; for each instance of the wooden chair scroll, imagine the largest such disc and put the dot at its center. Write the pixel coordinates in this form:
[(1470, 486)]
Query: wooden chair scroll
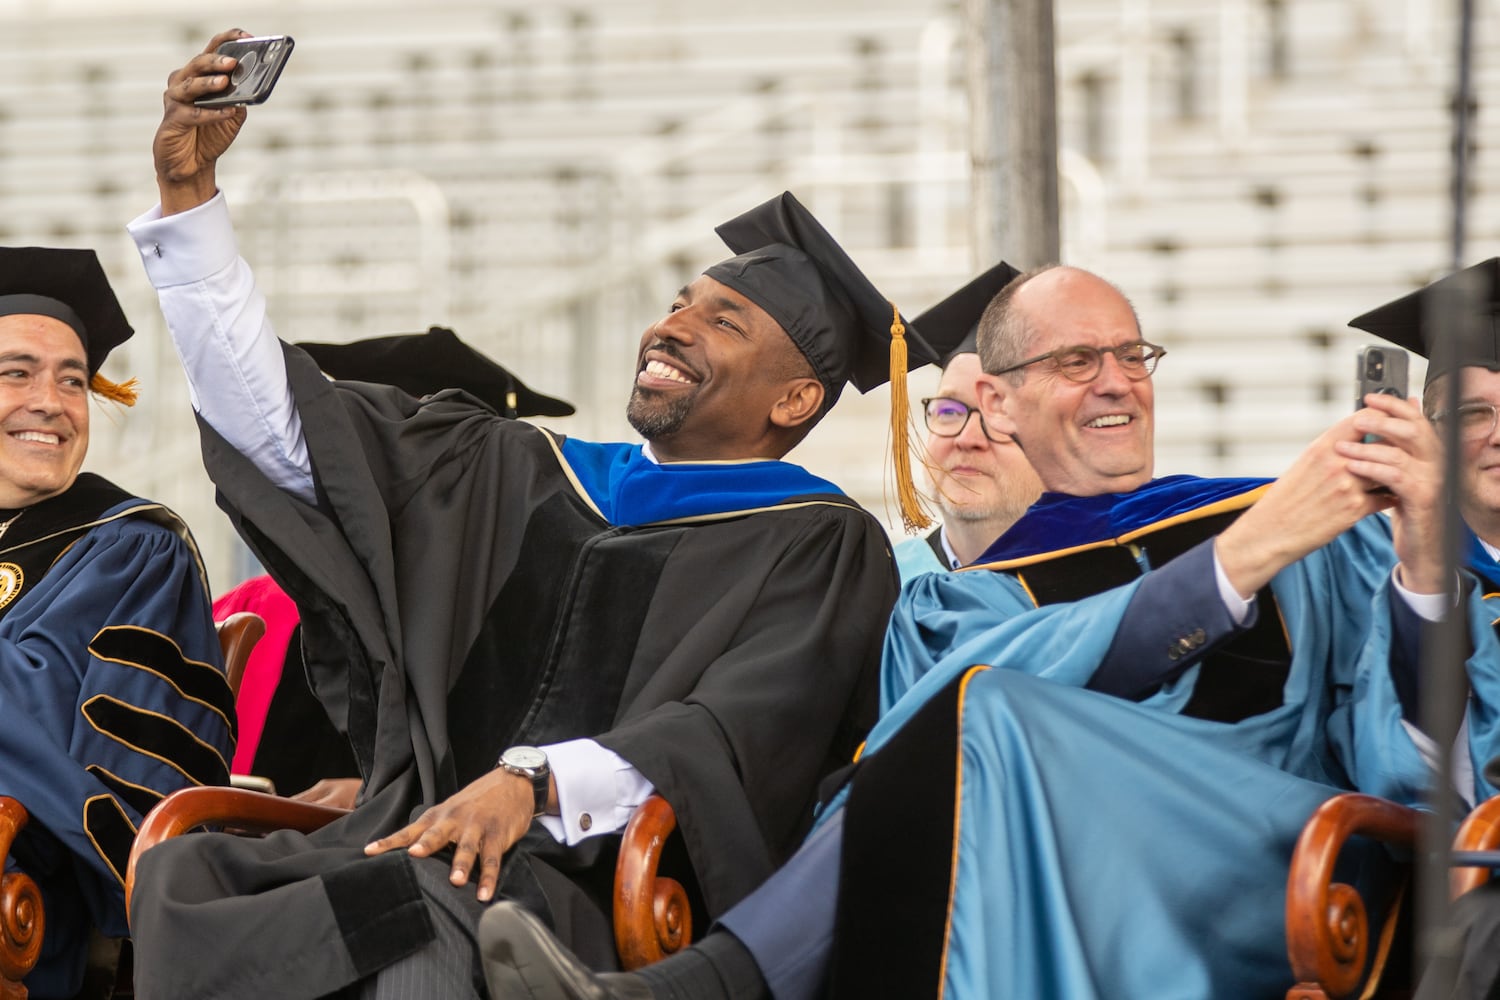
[(21, 916), (238, 635), (652, 916), (1479, 832), (1327, 930)]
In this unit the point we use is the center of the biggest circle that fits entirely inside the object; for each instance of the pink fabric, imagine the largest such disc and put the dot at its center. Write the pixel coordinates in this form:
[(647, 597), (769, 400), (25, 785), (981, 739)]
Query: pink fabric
[(263, 672)]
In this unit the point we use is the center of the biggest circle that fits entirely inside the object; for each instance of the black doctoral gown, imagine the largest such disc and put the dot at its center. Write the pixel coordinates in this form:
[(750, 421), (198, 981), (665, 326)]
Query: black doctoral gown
[(461, 593)]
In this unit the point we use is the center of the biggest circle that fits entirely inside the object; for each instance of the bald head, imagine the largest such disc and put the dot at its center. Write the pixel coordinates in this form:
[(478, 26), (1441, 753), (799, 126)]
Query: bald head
[(1008, 328), (1083, 437)]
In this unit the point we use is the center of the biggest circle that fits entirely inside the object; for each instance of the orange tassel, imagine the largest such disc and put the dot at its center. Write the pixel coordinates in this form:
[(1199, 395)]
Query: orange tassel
[(914, 515), (123, 393)]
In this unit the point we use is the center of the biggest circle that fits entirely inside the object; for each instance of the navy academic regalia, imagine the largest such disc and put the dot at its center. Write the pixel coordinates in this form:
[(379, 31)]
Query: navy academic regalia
[(112, 688), (113, 693)]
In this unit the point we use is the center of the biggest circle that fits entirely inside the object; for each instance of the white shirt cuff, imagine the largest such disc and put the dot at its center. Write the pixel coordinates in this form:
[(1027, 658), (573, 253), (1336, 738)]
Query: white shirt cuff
[(1462, 767), (187, 247), (1428, 607), (597, 790), (1237, 606)]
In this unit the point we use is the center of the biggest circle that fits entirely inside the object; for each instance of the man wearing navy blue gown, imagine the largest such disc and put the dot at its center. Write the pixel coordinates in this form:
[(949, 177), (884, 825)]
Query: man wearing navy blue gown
[(112, 688)]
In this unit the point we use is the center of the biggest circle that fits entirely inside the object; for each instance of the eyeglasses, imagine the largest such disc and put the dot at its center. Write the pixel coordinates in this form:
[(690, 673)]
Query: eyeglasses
[(1475, 420), (947, 417), (1082, 364)]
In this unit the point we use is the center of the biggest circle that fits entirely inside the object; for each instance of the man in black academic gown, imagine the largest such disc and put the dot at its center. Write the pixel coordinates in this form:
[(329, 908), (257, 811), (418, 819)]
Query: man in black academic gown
[(112, 688), (285, 736), (696, 618)]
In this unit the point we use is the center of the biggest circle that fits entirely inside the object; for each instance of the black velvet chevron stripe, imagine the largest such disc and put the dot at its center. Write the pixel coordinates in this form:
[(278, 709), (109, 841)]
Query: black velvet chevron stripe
[(157, 736), (133, 646), (110, 830), (896, 867), (142, 800)]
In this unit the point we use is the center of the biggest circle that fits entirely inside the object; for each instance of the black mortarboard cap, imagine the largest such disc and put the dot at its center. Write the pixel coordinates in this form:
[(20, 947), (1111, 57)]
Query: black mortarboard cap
[(424, 363), (792, 268), (952, 326), (789, 266), (1406, 321), (69, 286)]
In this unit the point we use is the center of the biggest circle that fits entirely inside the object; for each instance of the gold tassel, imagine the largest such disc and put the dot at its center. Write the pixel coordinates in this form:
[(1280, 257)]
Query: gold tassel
[(123, 393), (913, 513)]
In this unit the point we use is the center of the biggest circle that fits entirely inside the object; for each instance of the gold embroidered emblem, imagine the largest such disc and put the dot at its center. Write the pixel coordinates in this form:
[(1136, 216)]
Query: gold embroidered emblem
[(11, 581)]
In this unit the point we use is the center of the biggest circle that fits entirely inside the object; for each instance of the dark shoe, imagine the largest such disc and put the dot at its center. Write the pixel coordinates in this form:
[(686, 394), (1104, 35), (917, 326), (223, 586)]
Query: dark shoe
[(522, 959)]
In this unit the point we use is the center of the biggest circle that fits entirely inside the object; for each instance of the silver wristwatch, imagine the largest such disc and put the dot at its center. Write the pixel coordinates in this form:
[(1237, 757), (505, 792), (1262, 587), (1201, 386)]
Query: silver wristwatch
[(531, 764)]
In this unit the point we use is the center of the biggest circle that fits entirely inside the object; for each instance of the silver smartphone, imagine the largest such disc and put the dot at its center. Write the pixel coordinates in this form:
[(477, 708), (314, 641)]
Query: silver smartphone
[(1379, 369), (260, 62)]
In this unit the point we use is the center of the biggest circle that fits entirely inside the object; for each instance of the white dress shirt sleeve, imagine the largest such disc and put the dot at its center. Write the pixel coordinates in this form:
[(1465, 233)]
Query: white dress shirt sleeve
[(1237, 606), (1428, 607), (217, 317), (597, 790)]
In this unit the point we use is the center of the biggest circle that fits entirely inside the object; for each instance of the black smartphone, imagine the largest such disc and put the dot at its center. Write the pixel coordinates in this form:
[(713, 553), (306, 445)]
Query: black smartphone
[(260, 62)]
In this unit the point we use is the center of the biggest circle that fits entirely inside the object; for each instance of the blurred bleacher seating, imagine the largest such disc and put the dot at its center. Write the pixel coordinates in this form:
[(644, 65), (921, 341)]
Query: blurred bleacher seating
[(542, 177)]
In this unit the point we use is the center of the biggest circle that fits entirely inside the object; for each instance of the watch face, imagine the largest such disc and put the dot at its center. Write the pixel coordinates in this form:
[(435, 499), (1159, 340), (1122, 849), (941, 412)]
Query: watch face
[(528, 757)]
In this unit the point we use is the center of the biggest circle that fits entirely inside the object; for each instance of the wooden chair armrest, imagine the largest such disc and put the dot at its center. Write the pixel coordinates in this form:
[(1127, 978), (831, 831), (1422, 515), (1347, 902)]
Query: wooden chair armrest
[(1327, 931), (652, 916), (1480, 831), (252, 812), (238, 635), (22, 919)]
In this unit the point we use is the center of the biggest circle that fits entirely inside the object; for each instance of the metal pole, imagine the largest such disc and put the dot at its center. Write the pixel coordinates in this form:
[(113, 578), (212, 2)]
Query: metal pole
[(1013, 131), (1444, 684)]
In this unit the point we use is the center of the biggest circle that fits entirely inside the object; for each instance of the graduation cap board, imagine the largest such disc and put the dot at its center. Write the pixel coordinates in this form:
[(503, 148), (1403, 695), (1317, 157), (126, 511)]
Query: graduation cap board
[(789, 266), (1413, 323), (952, 326), (69, 286), (424, 363)]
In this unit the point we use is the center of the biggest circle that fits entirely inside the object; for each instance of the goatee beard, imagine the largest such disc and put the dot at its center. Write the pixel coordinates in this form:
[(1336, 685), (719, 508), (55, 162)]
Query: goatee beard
[(657, 418)]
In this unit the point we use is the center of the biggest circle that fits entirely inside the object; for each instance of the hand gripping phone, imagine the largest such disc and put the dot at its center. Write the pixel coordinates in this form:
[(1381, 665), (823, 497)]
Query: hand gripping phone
[(260, 62)]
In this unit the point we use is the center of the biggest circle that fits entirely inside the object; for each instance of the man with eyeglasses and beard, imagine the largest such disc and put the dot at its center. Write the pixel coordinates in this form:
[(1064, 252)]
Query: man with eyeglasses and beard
[(1099, 744)]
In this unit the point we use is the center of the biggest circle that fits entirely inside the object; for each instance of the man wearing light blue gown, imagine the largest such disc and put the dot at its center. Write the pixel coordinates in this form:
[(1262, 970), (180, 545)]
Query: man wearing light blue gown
[(1474, 359), (1094, 760)]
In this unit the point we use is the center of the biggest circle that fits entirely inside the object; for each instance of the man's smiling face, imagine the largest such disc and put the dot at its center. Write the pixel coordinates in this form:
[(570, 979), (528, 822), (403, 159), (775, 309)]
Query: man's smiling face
[(708, 374), (44, 408), (1082, 438)]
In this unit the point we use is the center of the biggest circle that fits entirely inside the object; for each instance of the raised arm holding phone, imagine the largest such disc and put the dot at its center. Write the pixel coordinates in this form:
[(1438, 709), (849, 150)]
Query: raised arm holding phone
[(523, 634)]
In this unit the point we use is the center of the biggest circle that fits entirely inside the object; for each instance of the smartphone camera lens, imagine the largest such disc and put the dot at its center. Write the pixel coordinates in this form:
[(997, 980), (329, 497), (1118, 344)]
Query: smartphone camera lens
[(244, 67), (1375, 365)]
